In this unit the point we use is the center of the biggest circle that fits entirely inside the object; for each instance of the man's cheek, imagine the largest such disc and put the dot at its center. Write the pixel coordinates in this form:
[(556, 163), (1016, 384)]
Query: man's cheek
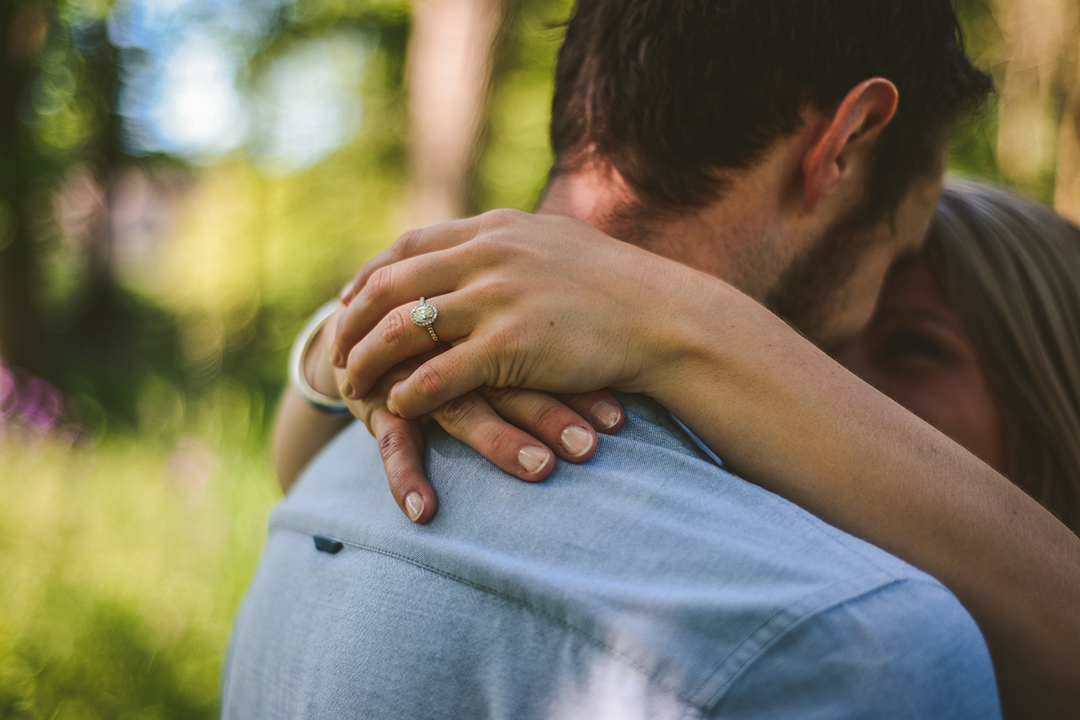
[(855, 303)]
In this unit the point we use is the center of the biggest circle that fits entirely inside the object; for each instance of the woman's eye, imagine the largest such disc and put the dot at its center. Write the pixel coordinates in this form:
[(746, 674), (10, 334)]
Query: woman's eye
[(903, 344)]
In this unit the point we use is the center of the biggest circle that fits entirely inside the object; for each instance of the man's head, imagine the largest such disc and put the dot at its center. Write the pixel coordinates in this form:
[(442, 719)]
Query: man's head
[(832, 111)]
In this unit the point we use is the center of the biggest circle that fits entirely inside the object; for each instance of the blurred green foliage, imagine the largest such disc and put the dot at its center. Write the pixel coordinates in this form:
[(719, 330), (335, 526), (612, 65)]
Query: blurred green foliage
[(124, 555), (122, 564), (972, 151), (1043, 85), (250, 251)]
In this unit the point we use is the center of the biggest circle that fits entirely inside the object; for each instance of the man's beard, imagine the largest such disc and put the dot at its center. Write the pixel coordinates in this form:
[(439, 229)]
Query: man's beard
[(807, 294)]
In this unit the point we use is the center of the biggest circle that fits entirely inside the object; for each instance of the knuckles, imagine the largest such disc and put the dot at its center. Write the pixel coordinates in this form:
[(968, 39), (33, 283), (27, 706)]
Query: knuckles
[(393, 330), (406, 244), (506, 341), (353, 366), (503, 440), (380, 285), (394, 444), (459, 412), (400, 477), (551, 418), (503, 217), (502, 244), (428, 381), (489, 248)]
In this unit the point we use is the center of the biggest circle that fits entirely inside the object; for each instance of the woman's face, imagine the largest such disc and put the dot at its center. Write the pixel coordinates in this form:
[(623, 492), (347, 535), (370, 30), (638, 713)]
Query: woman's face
[(914, 350)]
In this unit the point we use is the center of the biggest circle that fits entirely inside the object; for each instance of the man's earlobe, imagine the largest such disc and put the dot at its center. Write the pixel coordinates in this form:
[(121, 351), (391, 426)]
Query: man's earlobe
[(848, 137)]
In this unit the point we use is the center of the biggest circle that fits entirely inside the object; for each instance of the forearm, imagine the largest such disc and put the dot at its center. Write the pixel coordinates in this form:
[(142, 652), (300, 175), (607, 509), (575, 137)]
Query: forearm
[(782, 413), (300, 430)]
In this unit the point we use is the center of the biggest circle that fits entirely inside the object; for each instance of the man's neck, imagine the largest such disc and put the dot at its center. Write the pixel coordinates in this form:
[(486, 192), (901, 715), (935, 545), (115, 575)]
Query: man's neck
[(729, 239), (590, 195)]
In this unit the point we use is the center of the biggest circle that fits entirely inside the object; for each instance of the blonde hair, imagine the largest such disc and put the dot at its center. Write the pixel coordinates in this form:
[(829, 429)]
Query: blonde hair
[(1011, 270)]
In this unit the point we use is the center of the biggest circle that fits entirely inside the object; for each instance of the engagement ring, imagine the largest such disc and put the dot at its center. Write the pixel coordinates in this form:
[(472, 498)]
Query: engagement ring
[(424, 315)]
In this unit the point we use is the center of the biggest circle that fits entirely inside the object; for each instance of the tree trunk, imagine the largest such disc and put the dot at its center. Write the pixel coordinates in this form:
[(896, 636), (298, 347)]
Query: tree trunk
[(1039, 51), (1067, 188), (22, 336), (449, 70)]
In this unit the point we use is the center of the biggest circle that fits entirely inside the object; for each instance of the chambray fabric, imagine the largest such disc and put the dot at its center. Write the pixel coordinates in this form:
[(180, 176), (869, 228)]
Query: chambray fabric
[(648, 583)]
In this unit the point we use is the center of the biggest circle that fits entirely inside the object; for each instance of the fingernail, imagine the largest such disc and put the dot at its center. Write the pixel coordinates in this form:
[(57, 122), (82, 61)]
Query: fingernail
[(533, 458), (414, 505), (348, 391), (337, 359), (576, 440), (346, 291), (605, 415)]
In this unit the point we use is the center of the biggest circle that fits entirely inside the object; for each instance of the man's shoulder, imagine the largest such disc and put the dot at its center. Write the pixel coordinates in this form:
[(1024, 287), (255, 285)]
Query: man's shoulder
[(902, 649), (651, 554), (650, 493)]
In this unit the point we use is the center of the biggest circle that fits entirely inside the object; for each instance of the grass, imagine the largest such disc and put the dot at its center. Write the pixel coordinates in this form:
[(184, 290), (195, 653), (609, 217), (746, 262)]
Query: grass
[(122, 563)]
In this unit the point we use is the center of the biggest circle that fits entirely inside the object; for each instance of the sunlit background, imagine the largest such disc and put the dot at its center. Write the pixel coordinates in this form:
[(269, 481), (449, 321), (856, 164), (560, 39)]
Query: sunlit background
[(181, 183)]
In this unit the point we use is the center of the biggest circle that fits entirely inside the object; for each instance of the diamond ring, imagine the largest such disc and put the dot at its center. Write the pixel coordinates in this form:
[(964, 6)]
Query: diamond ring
[(423, 315)]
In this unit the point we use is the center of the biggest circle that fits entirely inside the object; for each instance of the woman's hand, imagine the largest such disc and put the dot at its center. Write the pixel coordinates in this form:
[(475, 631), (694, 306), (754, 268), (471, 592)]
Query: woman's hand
[(524, 301), (516, 430), (532, 312), (520, 431)]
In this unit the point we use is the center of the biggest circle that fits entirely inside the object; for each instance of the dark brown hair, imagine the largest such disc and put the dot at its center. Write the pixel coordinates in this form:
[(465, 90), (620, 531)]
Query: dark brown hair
[(667, 92)]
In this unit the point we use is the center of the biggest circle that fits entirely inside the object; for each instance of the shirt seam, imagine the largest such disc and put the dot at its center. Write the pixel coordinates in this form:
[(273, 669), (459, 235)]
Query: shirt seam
[(826, 606), (700, 706), (509, 598), (712, 458)]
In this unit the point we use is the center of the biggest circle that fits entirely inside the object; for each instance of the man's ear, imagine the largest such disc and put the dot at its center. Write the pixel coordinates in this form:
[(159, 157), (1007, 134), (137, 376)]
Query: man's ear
[(864, 112)]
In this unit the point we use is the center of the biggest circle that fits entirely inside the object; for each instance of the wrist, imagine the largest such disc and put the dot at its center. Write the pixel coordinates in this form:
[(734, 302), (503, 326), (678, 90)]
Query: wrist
[(691, 333), (317, 368), (300, 363)]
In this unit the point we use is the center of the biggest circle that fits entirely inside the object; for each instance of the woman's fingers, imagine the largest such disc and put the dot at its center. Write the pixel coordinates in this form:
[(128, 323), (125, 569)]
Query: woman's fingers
[(515, 429), (441, 379), (391, 287), (396, 338), (545, 418), (422, 263), (430, 239), (402, 448), (472, 420), (413, 244)]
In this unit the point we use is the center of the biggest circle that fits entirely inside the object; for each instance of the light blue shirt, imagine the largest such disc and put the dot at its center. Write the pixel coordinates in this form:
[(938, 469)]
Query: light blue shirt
[(647, 583)]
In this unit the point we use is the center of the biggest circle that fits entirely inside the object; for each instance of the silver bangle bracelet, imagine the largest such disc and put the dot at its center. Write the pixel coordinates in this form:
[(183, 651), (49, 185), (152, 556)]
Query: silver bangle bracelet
[(322, 403)]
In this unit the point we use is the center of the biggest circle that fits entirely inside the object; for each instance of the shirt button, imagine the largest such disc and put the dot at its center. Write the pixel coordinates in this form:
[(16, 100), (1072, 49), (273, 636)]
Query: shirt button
[(328, 545)]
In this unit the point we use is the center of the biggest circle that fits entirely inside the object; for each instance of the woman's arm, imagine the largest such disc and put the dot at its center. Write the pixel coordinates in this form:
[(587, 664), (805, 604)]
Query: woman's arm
[(539, 314), (801, 426), (521, 431), (300, 430)]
